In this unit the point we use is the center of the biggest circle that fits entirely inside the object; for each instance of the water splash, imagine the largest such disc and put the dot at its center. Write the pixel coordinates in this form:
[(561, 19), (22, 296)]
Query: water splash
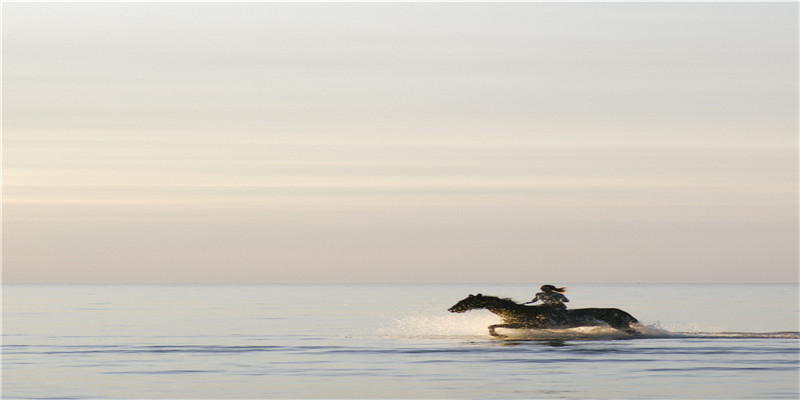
[(475, 326), (442, 326), (644, 332), (579, 333)]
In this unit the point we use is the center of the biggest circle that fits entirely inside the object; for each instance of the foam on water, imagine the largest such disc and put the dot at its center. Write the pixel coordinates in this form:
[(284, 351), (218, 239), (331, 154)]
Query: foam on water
[(738, 335), (579, 333), (475, 326), (645, 332)]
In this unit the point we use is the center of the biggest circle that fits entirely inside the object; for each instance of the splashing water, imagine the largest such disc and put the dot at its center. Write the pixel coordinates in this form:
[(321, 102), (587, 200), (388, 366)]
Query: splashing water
[(442, 327), (476, 327)]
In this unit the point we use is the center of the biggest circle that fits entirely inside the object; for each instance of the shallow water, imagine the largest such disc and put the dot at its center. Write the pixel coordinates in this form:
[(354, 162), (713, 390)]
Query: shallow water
[(391, 341)]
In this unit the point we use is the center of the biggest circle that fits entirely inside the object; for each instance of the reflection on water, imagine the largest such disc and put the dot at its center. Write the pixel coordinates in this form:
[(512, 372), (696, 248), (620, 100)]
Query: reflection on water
[(378, 341), (544, 342)]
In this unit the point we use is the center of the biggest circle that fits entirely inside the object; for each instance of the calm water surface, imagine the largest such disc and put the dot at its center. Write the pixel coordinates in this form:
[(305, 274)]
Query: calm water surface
[(391, 341)]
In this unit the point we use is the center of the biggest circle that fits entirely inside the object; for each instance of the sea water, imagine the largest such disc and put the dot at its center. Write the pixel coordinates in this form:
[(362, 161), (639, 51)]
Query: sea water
[(253, 341)]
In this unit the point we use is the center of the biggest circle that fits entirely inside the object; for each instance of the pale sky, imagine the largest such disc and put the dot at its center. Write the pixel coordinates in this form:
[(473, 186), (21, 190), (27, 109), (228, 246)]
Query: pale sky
[(404, 142)]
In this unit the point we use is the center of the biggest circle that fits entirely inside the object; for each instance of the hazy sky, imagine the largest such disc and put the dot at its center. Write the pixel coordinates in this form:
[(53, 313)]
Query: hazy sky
[(370, 142)]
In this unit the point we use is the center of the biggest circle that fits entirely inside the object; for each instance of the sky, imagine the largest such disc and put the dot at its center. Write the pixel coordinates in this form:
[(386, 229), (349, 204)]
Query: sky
[(400, 142)]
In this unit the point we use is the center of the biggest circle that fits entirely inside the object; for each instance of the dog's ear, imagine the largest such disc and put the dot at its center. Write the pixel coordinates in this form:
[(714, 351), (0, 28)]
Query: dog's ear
[(479, 295), (470, 296)]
